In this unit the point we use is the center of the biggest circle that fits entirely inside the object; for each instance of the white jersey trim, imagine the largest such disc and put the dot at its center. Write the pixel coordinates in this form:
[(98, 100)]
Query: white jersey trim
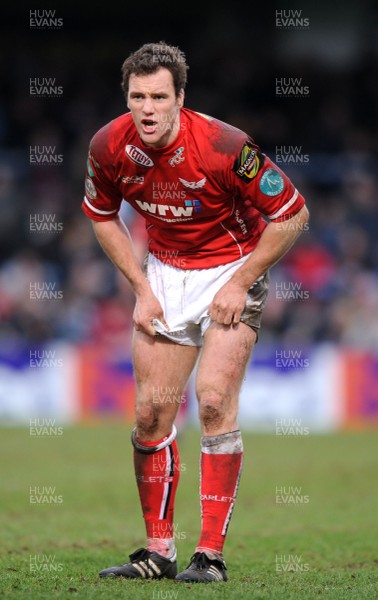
[(97, 210), (285, 206), (234, 238)]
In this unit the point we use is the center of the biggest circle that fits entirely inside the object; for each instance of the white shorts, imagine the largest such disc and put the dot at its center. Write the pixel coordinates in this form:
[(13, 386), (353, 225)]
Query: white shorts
[(186, 294)]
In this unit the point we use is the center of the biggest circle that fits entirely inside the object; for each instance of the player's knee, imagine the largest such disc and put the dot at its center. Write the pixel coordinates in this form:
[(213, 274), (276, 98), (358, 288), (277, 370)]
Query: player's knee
[(212, 408), (147, 420)]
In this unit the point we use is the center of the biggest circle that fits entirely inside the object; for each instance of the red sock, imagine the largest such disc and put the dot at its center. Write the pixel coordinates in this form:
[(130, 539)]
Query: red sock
[(157, 476), (221, 465)]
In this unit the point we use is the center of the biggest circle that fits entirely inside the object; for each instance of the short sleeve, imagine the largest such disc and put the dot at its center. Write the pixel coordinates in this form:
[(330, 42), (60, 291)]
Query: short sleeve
[(259, 181), (102, 199)]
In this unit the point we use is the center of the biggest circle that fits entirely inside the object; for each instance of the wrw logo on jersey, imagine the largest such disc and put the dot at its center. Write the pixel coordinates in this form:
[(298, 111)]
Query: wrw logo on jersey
[(165, 210)]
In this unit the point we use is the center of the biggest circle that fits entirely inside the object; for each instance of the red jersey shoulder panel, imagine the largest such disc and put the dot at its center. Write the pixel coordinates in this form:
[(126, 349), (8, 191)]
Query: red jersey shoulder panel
[(102, 198), (218, 142), (249, 173)]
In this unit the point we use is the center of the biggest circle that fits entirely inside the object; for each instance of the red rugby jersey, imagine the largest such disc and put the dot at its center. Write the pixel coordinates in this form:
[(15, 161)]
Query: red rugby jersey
[(203, 196)]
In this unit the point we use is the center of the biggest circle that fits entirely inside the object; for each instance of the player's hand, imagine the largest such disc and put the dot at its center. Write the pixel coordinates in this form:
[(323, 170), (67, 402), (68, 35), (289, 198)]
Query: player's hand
[(228, 304), (147, 308)]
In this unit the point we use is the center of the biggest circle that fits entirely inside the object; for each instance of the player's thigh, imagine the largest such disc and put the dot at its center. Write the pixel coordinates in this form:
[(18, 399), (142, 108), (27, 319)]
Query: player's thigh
[(225, 355), (160, 365)]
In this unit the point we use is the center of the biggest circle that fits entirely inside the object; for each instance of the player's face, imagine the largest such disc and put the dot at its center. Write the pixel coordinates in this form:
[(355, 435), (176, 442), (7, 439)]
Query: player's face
[(155, 107)]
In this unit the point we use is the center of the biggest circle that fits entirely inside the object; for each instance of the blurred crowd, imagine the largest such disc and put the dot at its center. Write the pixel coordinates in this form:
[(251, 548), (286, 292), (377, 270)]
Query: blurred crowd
[(48, 245)]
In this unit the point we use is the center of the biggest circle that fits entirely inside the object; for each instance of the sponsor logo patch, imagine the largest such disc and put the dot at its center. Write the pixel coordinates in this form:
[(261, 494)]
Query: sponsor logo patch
[(138, 156), (170, 213), (271, 182), (90, 189), (178, 157), (133, 179), (248, 163)]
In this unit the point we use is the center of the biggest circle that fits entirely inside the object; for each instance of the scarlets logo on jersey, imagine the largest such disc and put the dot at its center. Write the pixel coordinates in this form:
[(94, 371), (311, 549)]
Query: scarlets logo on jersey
[(248, 163), (138, 156), (193, 185)]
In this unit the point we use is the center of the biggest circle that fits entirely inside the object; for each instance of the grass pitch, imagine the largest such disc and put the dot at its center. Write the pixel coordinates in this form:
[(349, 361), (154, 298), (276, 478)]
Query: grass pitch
[(304, 527)]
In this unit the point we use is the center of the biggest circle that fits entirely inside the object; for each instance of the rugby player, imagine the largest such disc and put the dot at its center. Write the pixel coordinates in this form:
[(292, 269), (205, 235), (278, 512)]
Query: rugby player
[(214, 205)]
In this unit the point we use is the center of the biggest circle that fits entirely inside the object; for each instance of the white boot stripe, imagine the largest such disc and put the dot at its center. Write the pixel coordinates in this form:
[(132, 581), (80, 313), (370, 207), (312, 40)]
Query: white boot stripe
[(148, 571), (154, 566), (141, 571), (142, 565), (212, 570)]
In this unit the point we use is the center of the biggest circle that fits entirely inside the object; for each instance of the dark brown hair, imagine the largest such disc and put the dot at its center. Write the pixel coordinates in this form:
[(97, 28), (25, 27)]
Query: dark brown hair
[(151, 57)]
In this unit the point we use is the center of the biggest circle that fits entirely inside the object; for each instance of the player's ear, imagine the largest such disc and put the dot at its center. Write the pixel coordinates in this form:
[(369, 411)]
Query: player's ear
[(180, 98)]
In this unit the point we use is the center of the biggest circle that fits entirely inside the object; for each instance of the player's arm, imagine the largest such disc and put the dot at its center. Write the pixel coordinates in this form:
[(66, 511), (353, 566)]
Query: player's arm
[(115, 240), (276, 240), (101, 204), (257, 180)]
